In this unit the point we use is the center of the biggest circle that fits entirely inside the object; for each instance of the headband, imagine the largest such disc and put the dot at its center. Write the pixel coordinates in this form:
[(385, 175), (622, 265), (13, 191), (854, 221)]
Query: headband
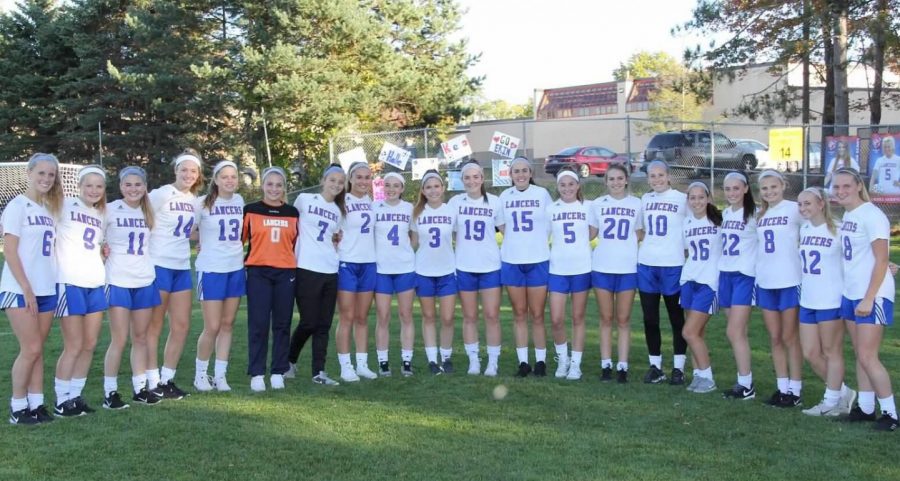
[(432, 175), (699, 184), (332, 169), (816, 191), (849, 171), (42, 157), (221, 165), (737, 175), (660, 163), (566, 173), (770, 173), (472, 165), (274, 170), (519, 159), (133, 170), (91, 169), (356, 165), (188, 158), (394, 175)]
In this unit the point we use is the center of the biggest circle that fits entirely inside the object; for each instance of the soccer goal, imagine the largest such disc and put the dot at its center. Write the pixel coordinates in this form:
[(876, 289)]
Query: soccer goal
[(13, 181)]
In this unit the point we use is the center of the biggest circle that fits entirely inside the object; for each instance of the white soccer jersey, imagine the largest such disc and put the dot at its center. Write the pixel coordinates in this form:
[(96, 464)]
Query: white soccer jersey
[(358, 234), (704, 248), (888, 169), (571, 243), (36, 230), (476, 242), (173, 219), (435, 256), (663, 224), (820, 258), (738, 242), (527, 232), (859, 228), (79, 237), (219, 228), (393, 249), (777, 240), (617, 222), (319, 221), (127, 235)]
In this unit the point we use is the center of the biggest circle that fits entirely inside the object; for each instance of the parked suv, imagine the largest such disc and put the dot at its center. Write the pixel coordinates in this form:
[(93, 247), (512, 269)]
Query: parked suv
[(689, 151)]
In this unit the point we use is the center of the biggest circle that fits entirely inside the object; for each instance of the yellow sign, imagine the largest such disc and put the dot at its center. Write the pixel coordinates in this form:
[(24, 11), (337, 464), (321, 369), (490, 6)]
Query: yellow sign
[(786, 145)]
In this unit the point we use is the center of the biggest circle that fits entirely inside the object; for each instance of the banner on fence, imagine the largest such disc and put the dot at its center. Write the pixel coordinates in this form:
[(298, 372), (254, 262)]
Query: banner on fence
[(500, 170), (378, 188), (840, 151), (420, 166), (454, 181), (884, 164), (349, 157), (786, 145), (504, 145), (393, 155), (456, 148)]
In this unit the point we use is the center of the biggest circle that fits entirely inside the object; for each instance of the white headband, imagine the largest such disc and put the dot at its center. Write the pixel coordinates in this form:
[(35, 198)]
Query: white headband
[(737, 175), (471, 165), (431, 175), (274, 170), (190, 158), (770, 173), (397, 176), (816, 191), (698, 184), (356, 165), (520, 159), (566, 173), (91, 169), (221, 165)]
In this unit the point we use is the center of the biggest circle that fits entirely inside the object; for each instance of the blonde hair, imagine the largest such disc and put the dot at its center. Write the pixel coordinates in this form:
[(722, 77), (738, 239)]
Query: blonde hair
[(863, 192), (146, 207), (420, 203), (53, 199), (826, 210), (764, 206), (100, 205), (201, 180)]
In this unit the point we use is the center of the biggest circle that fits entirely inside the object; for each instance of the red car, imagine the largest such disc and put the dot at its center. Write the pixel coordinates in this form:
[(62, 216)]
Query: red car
[(586, 160)]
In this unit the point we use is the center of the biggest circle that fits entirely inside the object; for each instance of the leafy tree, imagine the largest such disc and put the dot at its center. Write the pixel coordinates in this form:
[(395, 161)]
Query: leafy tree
[(499, 109), (649, 65)]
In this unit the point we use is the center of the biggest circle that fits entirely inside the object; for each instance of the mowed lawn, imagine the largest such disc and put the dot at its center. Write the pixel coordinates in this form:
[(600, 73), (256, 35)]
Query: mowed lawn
[(451, 427)]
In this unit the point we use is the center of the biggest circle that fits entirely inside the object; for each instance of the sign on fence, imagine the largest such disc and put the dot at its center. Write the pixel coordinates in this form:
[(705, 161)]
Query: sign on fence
[(377, 188), (500, 169), (504, 145), (454, 181), (456, 148), (420, 166), (786, 145), (347, 158), (841, 151), (393, 155), (884, 164)]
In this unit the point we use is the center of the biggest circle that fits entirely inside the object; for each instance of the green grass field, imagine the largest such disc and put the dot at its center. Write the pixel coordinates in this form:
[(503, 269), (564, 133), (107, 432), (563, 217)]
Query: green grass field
[(451, 427)]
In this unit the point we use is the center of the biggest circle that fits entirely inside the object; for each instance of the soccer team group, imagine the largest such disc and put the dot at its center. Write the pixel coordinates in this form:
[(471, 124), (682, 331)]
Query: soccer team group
[(814, 278)]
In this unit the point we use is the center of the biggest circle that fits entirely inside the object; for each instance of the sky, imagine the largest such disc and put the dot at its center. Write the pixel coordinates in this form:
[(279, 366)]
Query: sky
[(535, 44)]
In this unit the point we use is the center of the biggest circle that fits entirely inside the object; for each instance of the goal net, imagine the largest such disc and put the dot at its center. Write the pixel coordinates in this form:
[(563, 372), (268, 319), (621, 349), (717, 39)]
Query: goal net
[(13, 181)]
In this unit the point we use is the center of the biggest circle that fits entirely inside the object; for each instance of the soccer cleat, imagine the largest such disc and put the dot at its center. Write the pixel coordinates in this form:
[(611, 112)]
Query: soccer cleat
[(574, 373), (221, 384), (562, 367), (406, 369), (857, 415), (775, 399), (276, 381), (447, 366), (291, 372), (146, 397), (171, 391), (258, 383), (22, 416), (435, 368), (158, 392), (693, 383), (654, 375), (704, 385), (67, 409), (348, 374), (324, 380), (81, 404), (491, 369), (846, 401), (622, 376), (738, 391), (363, 371), (540, 369), (384, 369), (202, 384), (822, 409), (474, 367), (677, 378), (114, 401), (886, 423), (41, 414), (606, 374), (789, 400), (524, 370)]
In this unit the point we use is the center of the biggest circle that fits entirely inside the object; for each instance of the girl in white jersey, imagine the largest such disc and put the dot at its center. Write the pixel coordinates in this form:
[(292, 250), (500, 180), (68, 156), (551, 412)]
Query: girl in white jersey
[(525, 256), (737, 276), (478, 215), (615, 218), (317, 271), (433, 222), (174, 210), (396, 265), (130, 287), (660, 260), (82, 301), (700, 279), (356, 274), (868, 297), (569, 273), (821, 331), (221, 281), (28, 283)]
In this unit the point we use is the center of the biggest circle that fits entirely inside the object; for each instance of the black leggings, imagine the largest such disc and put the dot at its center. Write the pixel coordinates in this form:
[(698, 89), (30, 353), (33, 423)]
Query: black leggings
[(650, 306), (315, 294)]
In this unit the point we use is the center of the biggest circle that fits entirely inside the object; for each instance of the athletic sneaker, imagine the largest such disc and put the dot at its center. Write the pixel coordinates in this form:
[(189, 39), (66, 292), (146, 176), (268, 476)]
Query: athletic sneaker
[(67, 409), (324, 380), (435, 368), (202, 384), (789, 400), (171, 391), (276, 381), (491, 369), (22, 416), (775, 399), (574, 373), (524, 370), (146, 397), (41, 414), (622, 376), (846, 401), (406, 369), (114, 401), (693, 383), (886, 423), (258, 383), (822, 409), (447, 367), (81, 404), (704, 385), (677, 378), (291, 372), (348, 374), (606, 374), (384, 369), (474, 367), (562, 368), (654, 375), (738, 391), (857, 415), (221, 384), (363, 371), (158, 392), (540, 369)]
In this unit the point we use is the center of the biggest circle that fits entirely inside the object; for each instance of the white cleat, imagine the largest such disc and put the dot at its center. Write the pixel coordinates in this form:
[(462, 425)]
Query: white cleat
[(258, 384), (277, 381), (363, 371)]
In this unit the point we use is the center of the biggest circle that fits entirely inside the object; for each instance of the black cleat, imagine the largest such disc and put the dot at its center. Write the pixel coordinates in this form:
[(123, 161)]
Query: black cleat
[(406, 369), (41, 414), (790, 401), (81, 404), (622, 376), (886, 423), (171, 391), (435, 368), (677, 378), (524, 370), (775, 399), (22, 416), (114, 401), (606, 374), (447, 367), (384, 369), (67, 409), (857, 415), (654, 375), (540, 369), (146, 397), (738, 391)]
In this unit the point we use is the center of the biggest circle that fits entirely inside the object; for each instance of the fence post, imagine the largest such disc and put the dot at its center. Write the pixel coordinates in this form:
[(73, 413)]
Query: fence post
[(426, 142), (628, 136), (525, 143), (712, 155), (805, 154), (330, 150)]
